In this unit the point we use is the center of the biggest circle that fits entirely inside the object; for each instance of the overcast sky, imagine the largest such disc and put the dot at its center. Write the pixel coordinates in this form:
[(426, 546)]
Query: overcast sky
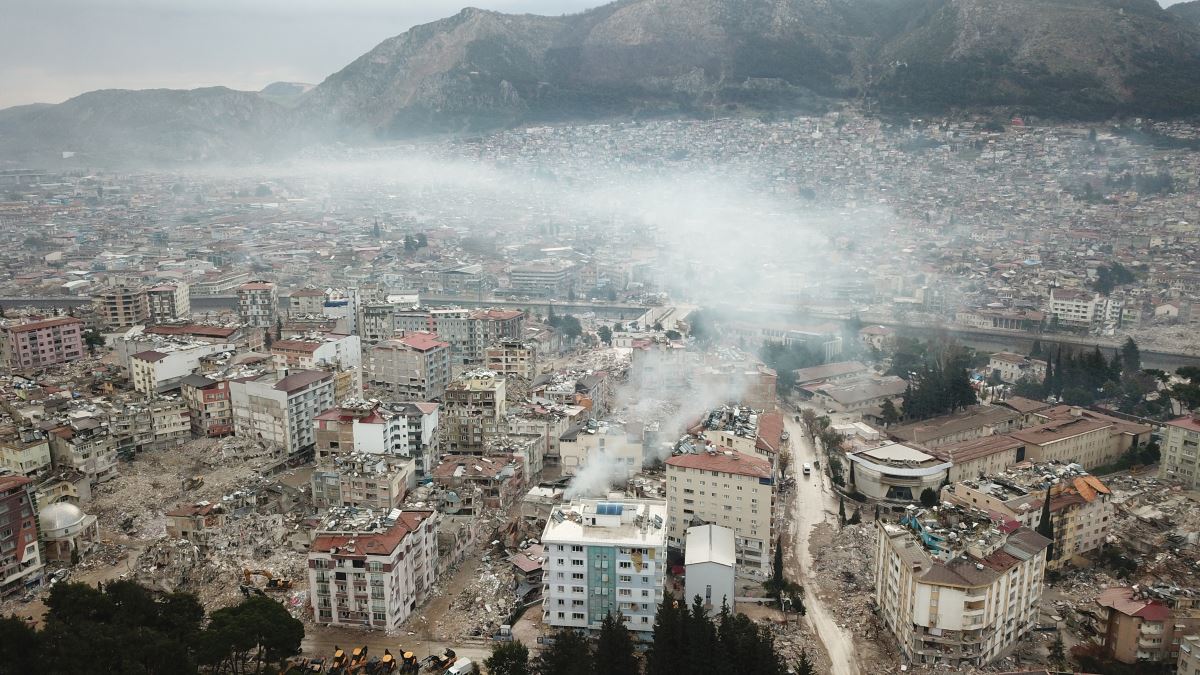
[(51, 50)]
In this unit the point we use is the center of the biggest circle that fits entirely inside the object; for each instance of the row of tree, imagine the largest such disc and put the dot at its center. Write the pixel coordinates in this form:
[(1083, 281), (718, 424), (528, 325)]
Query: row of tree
[(125, 627), (685, 640)]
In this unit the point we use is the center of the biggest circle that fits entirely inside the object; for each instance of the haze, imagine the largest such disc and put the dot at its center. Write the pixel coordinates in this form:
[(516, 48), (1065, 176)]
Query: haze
[(55, 49)]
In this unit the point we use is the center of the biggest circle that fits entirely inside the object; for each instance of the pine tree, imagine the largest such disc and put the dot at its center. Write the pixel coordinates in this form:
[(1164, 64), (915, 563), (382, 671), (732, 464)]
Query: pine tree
[(777, 573), (614, 648), (804, 666), (851, 473), (569, 655), (1046, 527), (278, 328), (666, 652), (508, 658), (1131, 357), (842, 510)]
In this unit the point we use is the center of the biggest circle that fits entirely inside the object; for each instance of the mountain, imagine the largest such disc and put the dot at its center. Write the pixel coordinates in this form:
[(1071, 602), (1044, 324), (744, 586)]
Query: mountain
[(481, 69), (1189, 11), (152, 125), (285, 93)]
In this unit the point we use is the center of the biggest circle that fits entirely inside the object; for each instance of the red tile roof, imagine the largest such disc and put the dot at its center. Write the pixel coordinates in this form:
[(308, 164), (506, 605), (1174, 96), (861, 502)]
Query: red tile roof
[(301, 379), (421, 341), (45, 323), (1185, 422), (150, 355), (192, 329), (770, 432), (372, 543), (725, 461)]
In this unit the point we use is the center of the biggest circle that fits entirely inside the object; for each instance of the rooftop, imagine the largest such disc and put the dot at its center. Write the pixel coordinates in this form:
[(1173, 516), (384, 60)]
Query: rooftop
[(709, 543), (626, 522), (44, 323), (352, 532), (724, 461)]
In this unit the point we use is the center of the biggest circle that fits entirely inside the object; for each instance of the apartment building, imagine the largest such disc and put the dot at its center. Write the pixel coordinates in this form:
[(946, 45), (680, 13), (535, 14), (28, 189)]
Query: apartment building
[(1080, 505), (550, 278), (85, 444), (122, 306), (199, 523), (21, 562), (954, 589), (727, 488), (25, 451), (37, 344), (210, 405), (257, 303), (496, 481), (369, 427), (618, 445), (317, 350), (169, 302), (306, 302), (368, 481), (1189, 656), (1181, 451), (369, 569), (158, 370), (468, 332), (1147, 624), (512, 357), (412, 367), (474, 408), (280, 408), (1073, 307), (601, 558)]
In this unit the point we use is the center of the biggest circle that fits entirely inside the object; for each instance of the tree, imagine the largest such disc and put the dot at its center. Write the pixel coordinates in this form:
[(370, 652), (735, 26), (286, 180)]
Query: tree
[(376, 231), (20, 647), (605, 334), (856, 518), (842, 510), (262, 191), (804, 666), (422, 241), (278, 328), (809, 418), (508, 658), (268, 338), (666, 651), (1058, 653), (258, 630), (1046, 526), (1131, 356), (888, 412), (614, 648), (570, 654), (929, 498), (852, 473)]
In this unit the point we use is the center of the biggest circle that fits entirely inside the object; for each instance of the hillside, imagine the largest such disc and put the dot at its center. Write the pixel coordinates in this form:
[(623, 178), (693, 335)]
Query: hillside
[(479, 69), (1189, 11)]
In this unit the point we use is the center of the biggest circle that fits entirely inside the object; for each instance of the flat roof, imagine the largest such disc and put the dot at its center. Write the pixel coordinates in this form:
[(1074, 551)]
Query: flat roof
[(709, 544), (573, 528), (725, 461)]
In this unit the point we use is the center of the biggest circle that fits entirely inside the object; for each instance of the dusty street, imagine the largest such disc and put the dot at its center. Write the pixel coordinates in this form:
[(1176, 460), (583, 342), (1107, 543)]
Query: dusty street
[(812, 503)]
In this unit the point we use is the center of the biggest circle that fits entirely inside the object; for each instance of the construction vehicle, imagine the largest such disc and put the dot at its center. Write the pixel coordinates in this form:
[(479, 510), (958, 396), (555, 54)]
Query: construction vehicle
[(408, 663), (247, 590), (381, 665), (273, 583), (337, 665), (437, 664)]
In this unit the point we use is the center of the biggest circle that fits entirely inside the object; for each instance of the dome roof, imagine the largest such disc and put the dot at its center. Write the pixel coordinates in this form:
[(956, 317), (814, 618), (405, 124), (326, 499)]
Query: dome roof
[(59, 516)]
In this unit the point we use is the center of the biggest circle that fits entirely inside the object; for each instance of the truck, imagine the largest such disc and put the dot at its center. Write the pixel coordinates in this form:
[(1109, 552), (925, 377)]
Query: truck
[(807, 469)]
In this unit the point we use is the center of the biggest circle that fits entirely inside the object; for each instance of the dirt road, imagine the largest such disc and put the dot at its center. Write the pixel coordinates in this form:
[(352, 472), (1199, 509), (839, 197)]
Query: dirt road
[(811, 503)]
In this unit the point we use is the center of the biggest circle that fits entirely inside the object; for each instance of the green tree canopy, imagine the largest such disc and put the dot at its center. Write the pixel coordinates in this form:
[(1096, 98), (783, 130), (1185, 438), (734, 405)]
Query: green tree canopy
[(508, 658)]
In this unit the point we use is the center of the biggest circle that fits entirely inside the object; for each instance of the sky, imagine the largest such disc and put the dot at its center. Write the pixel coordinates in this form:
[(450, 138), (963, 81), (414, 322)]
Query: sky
[(51, 50)]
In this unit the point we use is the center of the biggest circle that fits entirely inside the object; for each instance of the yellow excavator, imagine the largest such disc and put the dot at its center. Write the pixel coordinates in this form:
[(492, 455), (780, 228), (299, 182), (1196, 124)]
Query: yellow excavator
[(298, 665), (274, 583)]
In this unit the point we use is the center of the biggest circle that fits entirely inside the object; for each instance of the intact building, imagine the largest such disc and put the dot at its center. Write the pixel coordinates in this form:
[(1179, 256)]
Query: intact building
[(1146, 624), (368, 569), (122, 306), (25, 451), (726, 488), (257, 303), (709, 561), (20, 560), (1181, 451), (954, 588), (895, 472), (210, 405), (601, 558), (413, 367), (37, 344), (306, 302), (368, 427), (168, 302)]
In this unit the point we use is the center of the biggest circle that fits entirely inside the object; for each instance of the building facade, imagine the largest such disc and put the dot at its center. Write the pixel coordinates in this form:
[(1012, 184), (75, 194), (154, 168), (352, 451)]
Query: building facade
[(38, 344), (122, 306), (169, 302), (1181, 451), (473, 408), (279, 409), (257, 304), (413, 367), (21, 562)]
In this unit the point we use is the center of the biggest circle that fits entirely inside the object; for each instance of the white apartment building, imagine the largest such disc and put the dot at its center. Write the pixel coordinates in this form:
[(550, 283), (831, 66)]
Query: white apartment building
[(1074, 307), (1013, 367), (1181, 451), (25, 451), (369, 569), (257, 304), (156, 370), (279, 408), (614, 443), (965, 600), (604, 557), (169, 302), (84, 443), (371, 428), (726, 488)]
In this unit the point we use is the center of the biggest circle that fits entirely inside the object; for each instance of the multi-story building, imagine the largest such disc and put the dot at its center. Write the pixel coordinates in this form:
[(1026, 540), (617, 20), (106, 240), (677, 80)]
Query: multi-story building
[(1147, 624), (618, 445), (512, 357), (604, 557), (20, 559), (199, 524), (257, 303), (368, 427), (322, 351), (469, 332), (954, 588), (726, 488), (37, 344), (1181, 451), (280, 408), (894, 472), (369, 569), (1015, 367), (1079, 503), (25, 451), (473, 409), (210, 405), (369, 481), (158, 370), (551, 278), (85, 444), (169, 302), (1189, 656), (497, 480), (1073, 307), (306, 302), (971, 422), (1081, 436), (412, 367), (122, 306)]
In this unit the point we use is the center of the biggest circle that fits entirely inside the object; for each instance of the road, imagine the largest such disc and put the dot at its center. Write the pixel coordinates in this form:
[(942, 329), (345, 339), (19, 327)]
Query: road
[(320, 641), (813, 503)]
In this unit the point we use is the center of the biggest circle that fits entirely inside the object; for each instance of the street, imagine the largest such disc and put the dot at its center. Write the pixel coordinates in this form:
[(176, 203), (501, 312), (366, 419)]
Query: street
[(812, 502)]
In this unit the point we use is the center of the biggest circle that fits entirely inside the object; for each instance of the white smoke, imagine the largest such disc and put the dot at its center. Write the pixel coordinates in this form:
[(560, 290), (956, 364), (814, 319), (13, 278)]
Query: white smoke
[(599, 473)]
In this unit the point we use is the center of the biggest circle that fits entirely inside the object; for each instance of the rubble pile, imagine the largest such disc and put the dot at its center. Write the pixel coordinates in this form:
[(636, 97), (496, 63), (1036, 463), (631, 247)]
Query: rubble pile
[(845, 563)]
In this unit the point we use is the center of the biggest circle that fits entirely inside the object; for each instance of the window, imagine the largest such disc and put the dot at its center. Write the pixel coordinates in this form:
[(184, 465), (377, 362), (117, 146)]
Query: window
[(578, 616)]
